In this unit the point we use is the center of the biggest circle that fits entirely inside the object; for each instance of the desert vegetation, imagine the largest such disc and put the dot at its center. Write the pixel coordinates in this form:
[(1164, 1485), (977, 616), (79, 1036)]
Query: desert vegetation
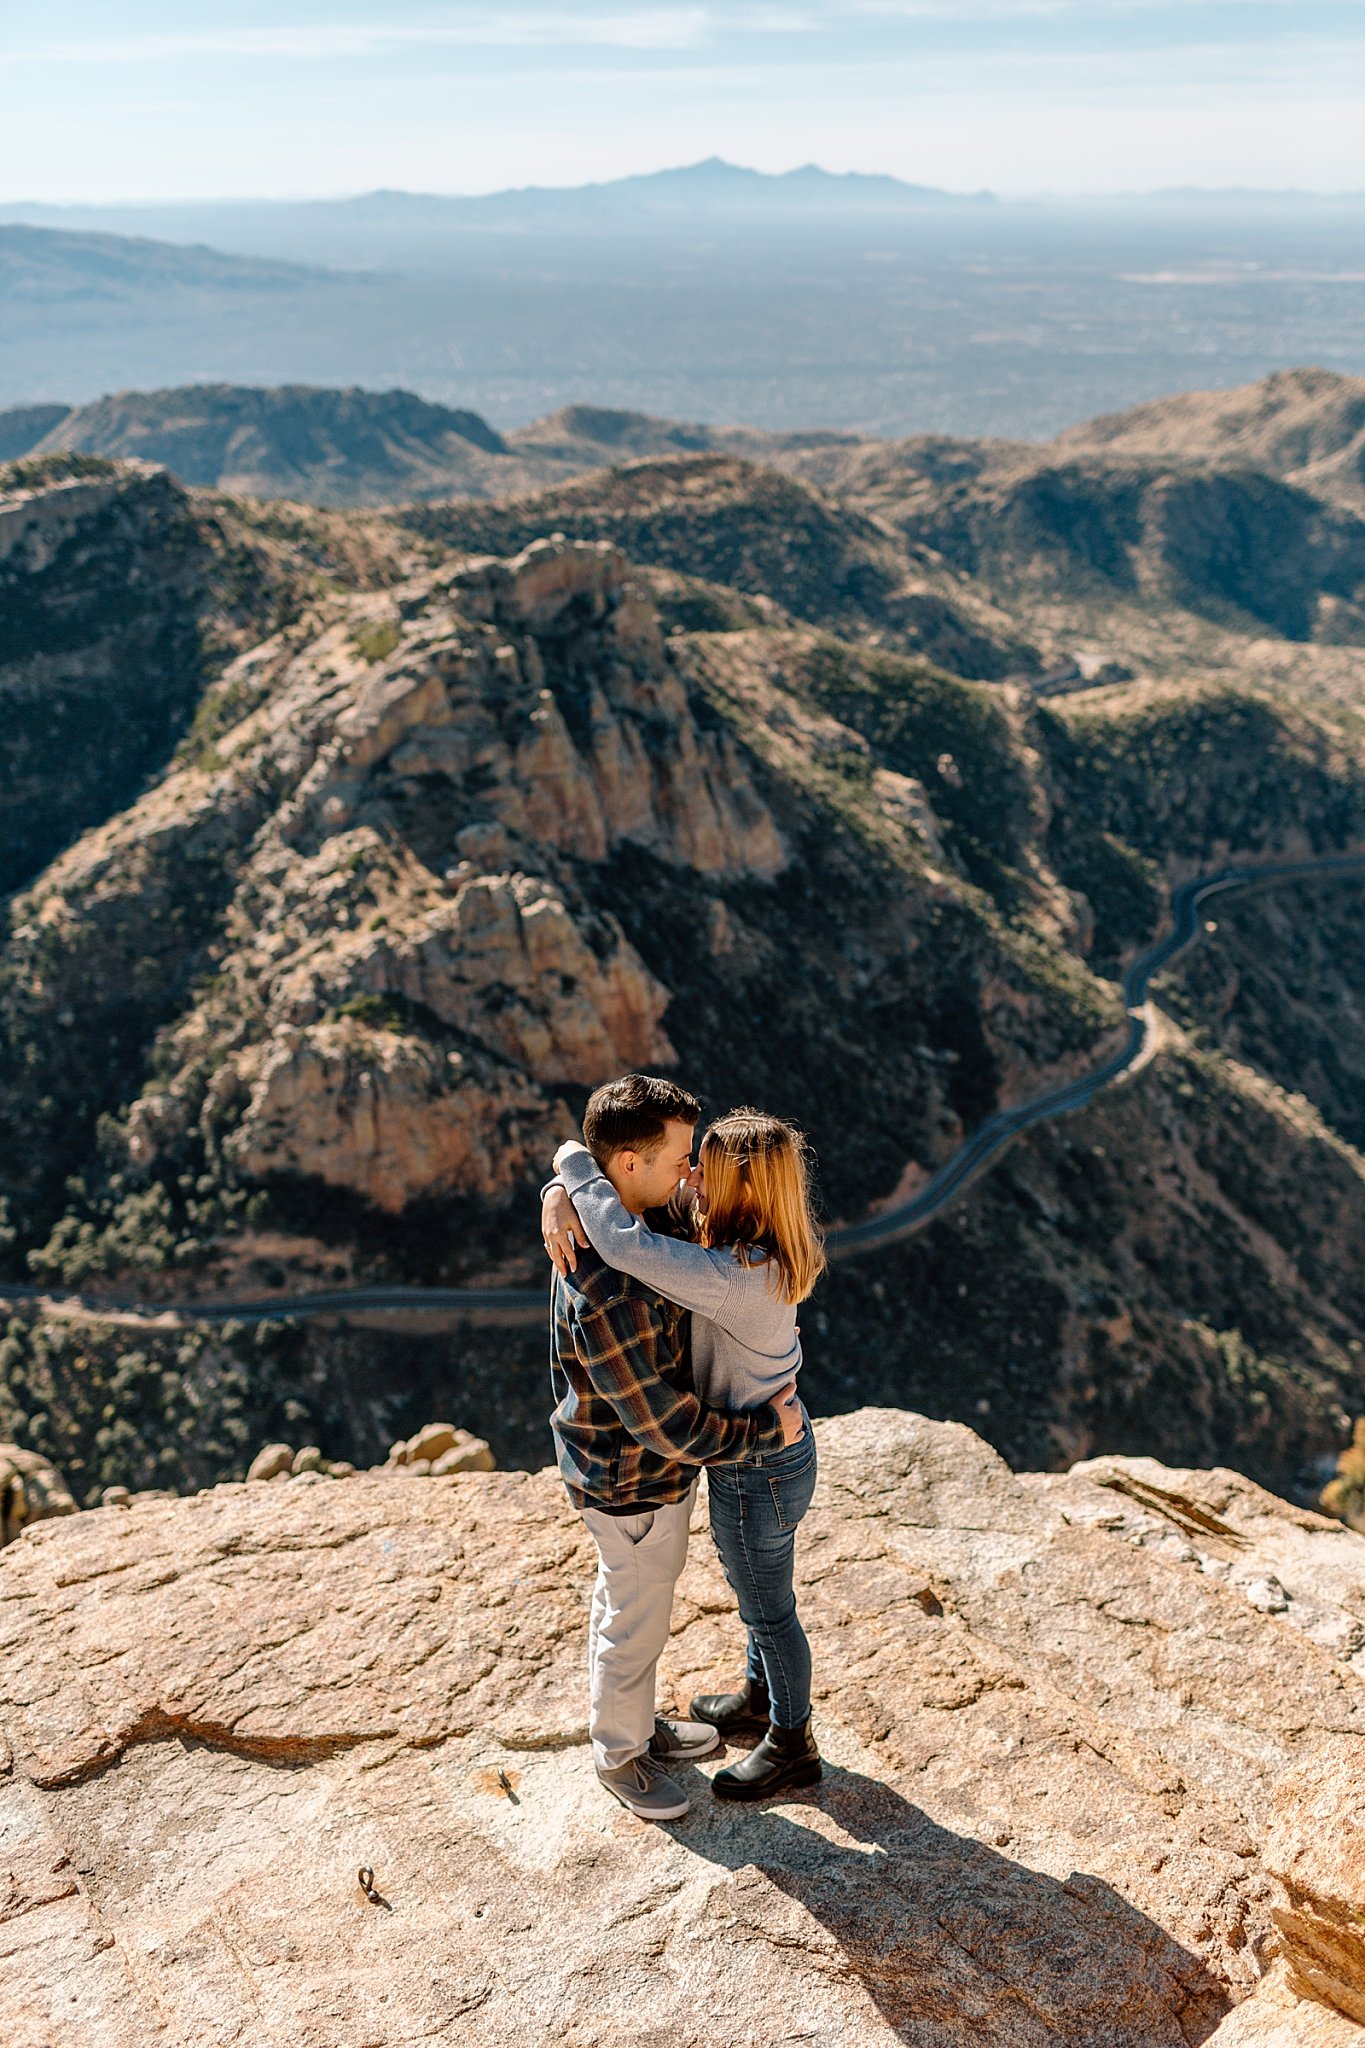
[(438, 818)]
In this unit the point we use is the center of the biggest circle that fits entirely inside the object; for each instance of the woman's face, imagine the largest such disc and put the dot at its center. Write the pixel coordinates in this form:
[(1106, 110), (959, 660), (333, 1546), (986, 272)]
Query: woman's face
[(696, 1180)]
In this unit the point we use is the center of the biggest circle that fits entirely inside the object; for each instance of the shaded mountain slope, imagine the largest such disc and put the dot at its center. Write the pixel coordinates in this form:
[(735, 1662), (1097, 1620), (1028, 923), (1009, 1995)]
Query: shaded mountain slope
[(1177, 536), (119, 597), (44, 267), (101, 650), (1306, 1030), (1233, 544)]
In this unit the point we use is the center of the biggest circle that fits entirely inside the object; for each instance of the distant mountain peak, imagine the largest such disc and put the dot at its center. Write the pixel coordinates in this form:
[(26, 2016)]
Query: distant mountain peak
[(716, 175), (711, 178)]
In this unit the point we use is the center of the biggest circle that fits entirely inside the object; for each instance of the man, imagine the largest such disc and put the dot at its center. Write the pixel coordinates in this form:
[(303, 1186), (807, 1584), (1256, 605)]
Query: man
[(631, 1436)]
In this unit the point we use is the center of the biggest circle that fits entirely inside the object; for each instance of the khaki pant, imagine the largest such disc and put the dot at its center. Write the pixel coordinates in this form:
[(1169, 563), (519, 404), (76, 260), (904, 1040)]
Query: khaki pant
[(640, 1558)]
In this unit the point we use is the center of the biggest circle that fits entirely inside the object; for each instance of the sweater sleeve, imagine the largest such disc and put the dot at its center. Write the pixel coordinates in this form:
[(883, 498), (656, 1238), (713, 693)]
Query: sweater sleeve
[(690, 1274)]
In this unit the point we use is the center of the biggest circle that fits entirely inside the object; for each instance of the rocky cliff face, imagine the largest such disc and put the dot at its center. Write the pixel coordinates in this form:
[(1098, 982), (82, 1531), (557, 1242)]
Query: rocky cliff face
[(395, 988), (458, 838), (471, 845), (1091, 1745)]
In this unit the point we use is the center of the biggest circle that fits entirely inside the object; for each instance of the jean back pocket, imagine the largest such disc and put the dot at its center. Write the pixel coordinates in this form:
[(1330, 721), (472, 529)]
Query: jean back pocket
[(792, 1490)]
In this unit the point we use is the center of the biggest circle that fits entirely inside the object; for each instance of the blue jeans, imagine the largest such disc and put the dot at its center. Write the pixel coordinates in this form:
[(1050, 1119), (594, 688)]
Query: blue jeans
[(755, 1510)]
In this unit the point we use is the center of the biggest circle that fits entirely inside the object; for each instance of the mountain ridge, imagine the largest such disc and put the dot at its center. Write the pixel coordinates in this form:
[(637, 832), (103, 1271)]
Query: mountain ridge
[(42, 266), (738, 187), (1304, 425), (284, 441), (1175, 532), (447, 839)]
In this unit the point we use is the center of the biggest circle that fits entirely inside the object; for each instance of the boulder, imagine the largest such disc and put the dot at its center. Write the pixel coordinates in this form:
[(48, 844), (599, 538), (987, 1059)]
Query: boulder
[(440, 1448), (1275, 2016), (470, 1455), (1317, 1850), (1059, 1810), (270, 1461), (31, 1490), (433, 1440)]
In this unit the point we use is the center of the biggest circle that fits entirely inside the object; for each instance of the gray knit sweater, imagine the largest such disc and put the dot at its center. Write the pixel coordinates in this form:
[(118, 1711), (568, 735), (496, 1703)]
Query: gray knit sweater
[(744, 1341)]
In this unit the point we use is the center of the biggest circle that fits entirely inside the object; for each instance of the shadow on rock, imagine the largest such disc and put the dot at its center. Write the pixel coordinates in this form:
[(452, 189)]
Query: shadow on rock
[(958, 1946)]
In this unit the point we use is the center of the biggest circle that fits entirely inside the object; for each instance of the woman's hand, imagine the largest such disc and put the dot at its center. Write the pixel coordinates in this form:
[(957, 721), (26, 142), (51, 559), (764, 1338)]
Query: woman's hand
[(789, 1413), (561, 1231)]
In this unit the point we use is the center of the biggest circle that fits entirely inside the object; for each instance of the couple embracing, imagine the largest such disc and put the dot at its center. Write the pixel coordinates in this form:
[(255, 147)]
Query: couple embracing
[(675, 1346)]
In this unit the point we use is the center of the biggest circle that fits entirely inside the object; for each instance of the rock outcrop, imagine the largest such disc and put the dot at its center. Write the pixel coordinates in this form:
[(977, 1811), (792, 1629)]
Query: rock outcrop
[(436, 1450), (402, 904), (735, 523), (411, 971), (1062, 1719), (31, 1490)]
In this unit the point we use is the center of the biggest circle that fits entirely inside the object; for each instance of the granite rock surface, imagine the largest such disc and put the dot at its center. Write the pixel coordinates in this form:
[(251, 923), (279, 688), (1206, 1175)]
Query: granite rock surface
[(1060, 1714)]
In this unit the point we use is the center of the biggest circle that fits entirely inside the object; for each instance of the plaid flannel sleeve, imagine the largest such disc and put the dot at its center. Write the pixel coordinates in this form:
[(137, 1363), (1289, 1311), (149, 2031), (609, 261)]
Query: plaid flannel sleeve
[(620, 1345)]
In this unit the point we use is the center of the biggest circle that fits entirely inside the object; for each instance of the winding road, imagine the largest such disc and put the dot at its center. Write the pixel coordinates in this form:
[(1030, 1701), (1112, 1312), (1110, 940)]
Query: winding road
[(528, 1305)]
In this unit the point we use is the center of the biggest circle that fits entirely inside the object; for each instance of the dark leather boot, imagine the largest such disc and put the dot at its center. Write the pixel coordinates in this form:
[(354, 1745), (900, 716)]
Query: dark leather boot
[(735, 1713), (786, 1757)]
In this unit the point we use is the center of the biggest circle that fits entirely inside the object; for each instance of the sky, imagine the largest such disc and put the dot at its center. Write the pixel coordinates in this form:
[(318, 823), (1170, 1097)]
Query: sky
[(172, 99)]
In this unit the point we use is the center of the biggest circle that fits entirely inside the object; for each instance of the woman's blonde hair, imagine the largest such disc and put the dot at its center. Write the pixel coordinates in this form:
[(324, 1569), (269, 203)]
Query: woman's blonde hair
[(758, 1194)]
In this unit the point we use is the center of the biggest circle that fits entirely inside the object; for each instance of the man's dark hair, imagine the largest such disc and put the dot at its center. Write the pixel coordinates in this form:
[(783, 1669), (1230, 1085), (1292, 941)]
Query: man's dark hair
[(629, 1115)]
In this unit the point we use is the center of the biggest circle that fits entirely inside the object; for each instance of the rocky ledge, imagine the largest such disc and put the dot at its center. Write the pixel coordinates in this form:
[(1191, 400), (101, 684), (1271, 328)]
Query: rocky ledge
[(1093, 1748)]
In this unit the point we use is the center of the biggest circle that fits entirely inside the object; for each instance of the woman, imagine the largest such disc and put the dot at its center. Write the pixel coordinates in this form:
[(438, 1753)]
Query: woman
[(757, 1254)]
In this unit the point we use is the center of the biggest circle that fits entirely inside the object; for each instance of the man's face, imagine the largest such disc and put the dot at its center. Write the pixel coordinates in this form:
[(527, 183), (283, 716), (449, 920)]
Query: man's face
[(646, 1180)]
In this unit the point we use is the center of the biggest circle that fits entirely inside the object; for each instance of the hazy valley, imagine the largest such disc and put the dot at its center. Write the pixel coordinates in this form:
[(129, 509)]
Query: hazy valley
[(709, 292)]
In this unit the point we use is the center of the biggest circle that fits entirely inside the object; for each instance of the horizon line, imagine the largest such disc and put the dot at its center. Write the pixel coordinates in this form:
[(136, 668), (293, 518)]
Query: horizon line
[(1046, 196)]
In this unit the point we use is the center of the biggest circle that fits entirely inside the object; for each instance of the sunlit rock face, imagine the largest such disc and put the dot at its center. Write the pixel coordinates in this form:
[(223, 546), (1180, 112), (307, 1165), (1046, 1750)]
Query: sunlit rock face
[(394, 845), (1061, 1719), (462, 838)]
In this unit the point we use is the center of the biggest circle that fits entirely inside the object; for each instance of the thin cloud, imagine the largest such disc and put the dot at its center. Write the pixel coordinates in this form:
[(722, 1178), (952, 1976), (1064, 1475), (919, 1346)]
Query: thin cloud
[(1081, 11), (654, 28)]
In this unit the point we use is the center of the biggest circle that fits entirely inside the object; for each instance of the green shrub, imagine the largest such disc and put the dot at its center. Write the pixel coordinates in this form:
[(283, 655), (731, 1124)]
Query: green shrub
[(376, 642)]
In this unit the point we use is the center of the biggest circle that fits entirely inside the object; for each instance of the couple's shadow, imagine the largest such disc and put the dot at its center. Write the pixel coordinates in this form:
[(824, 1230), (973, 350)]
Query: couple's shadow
[(957, 1945)]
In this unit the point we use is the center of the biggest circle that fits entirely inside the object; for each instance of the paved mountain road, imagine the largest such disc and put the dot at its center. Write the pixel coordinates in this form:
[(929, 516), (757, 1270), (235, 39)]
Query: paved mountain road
[(528, 1305)]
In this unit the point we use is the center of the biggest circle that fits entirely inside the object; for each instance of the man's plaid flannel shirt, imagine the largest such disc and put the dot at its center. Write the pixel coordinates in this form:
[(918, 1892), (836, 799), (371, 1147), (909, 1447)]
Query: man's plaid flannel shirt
[(627, 1425)]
